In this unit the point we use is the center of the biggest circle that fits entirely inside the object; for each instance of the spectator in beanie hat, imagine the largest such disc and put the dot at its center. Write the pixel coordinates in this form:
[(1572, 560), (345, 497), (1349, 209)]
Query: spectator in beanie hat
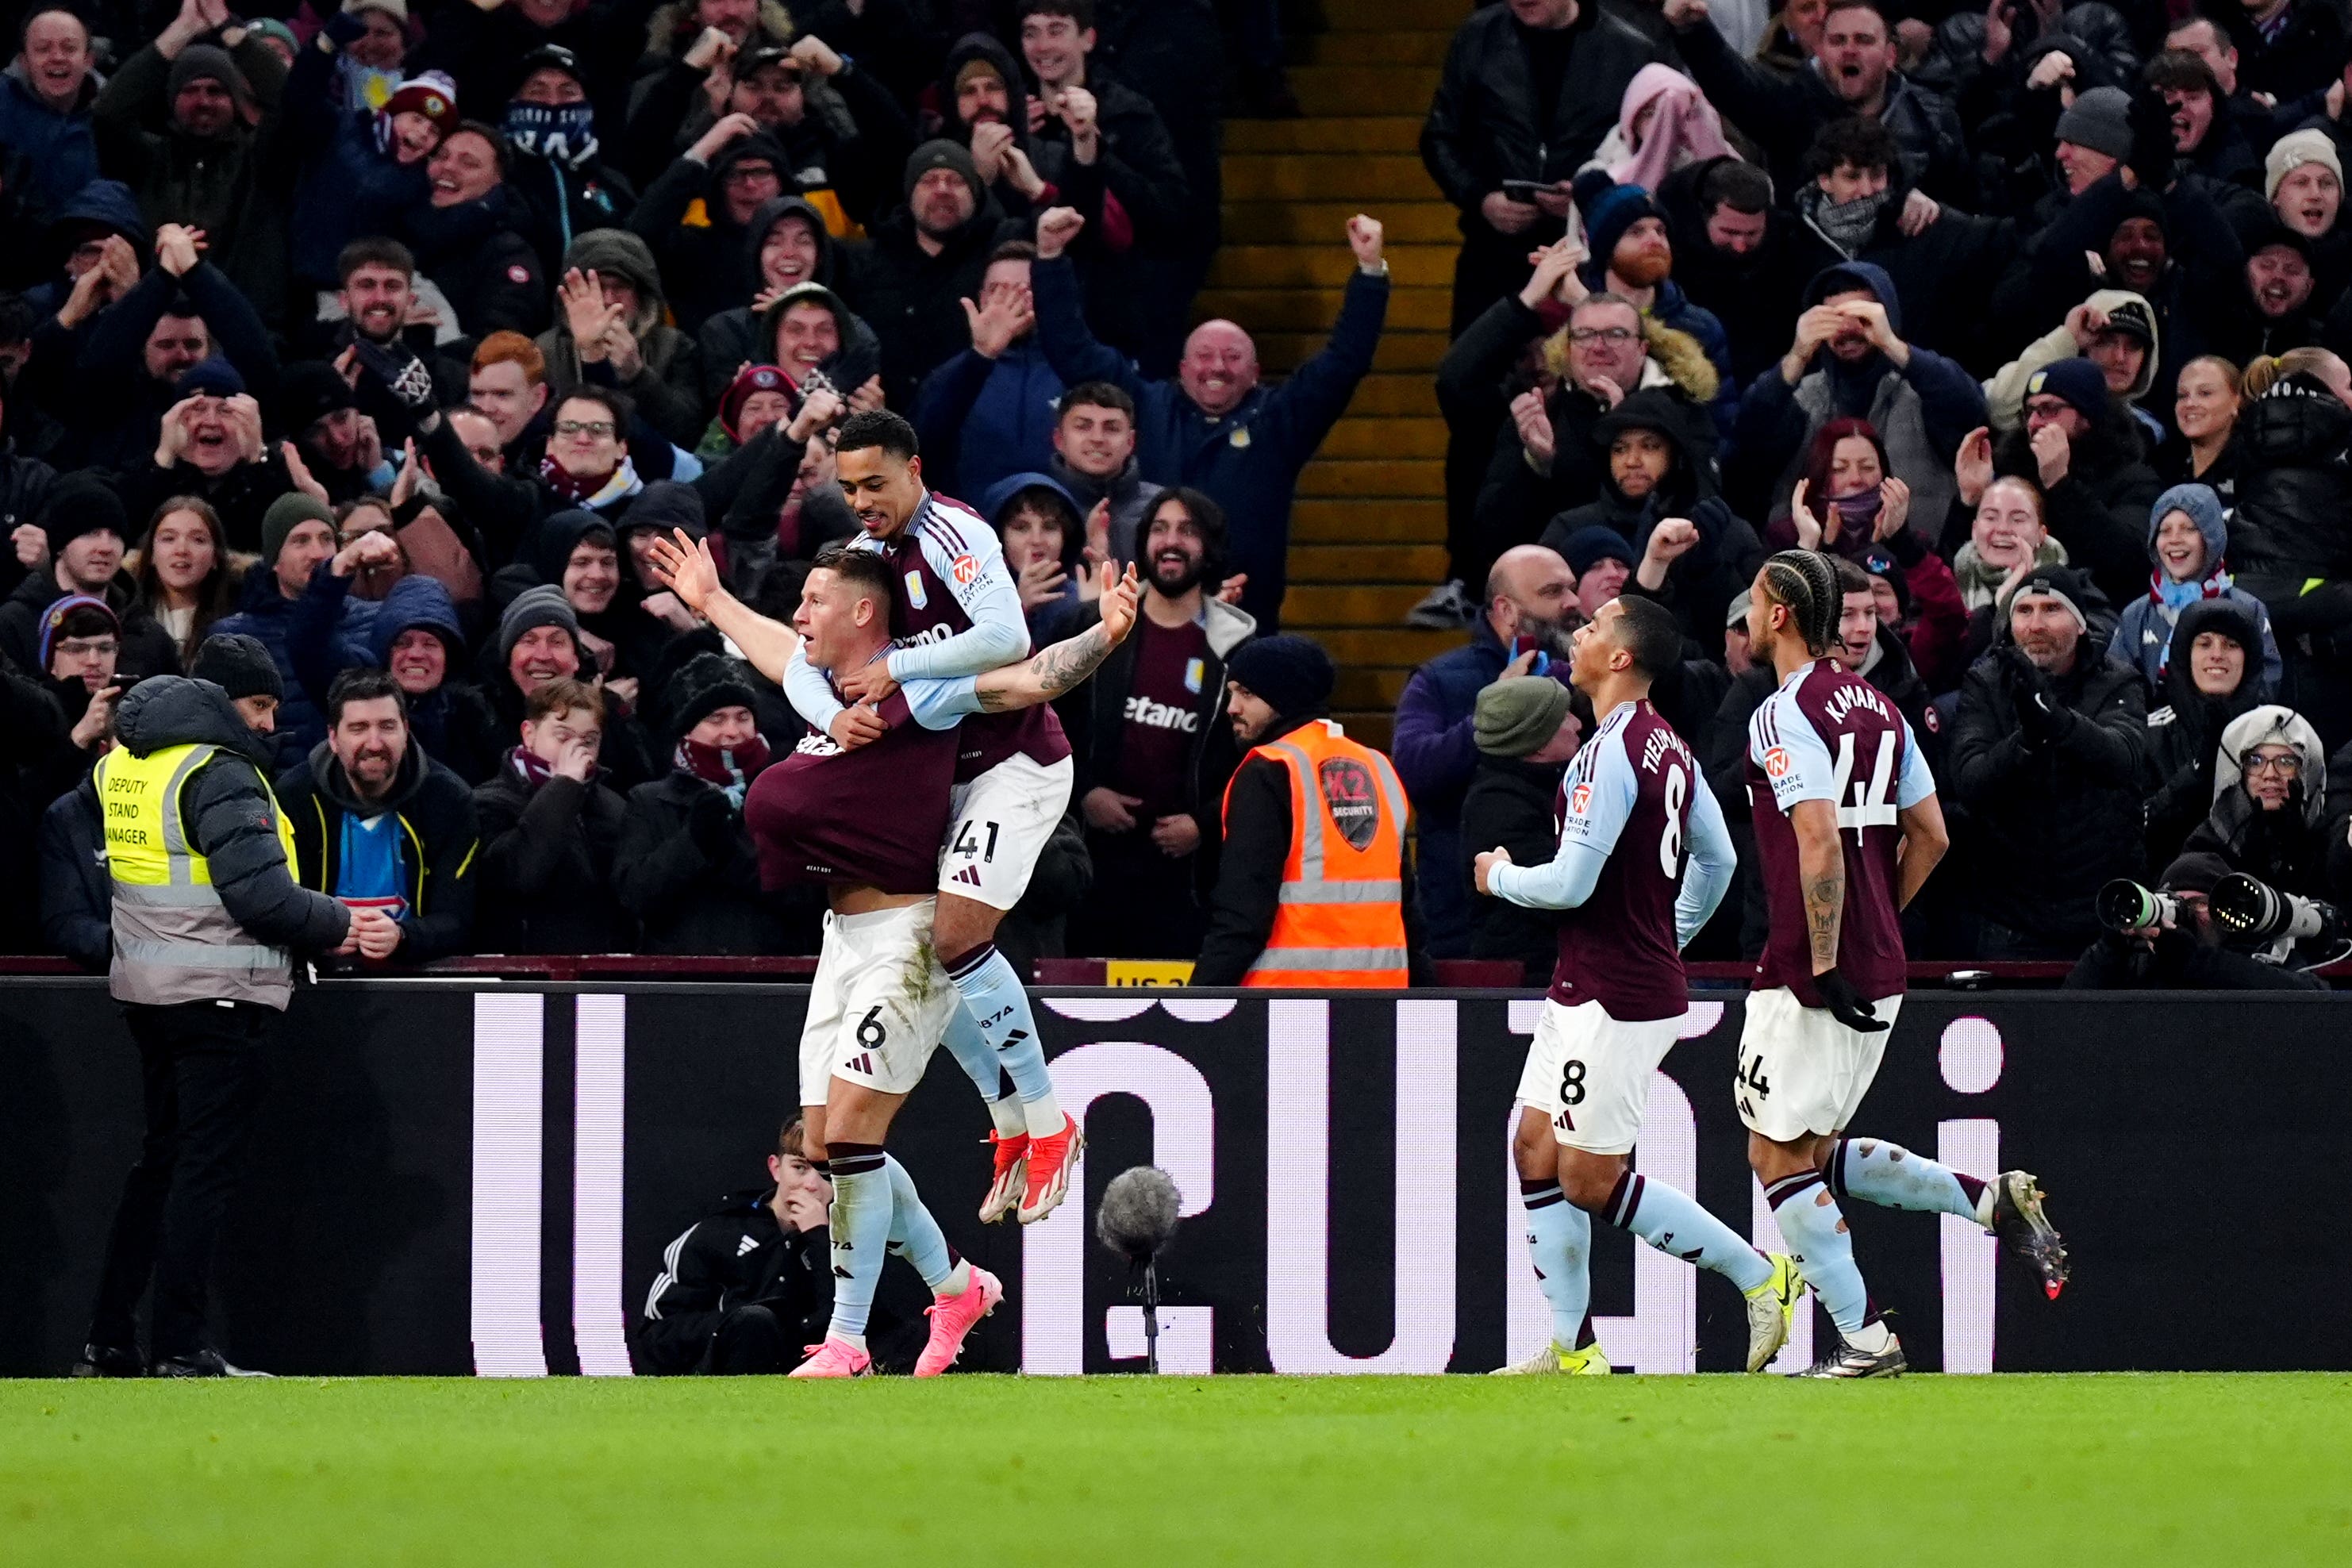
[(538, 641), (1602, 559), (925, 258), (759, 396), (241, 666), (2095, 489), (304, 574), (1526, 735), (85, 530), (686, 867), (2187, 534)]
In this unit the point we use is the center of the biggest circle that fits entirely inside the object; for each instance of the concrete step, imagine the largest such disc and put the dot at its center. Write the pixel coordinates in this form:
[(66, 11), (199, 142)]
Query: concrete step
[(1374, 728), (1281, 351), (1382, 48), (1346, 479), (1374, 179), (1369, 690), (1417, 221), (1314, 310), (1369, 133), (1395, 394), (1319, 267), (1394, 16), (1381, 437), (1420, 564), (1364, 89), (1325, 521), (1370, 604)]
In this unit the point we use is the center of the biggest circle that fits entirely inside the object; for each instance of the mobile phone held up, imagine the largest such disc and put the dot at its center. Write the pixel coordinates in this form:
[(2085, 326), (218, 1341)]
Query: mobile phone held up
[(1528, 190), (1523, 646)]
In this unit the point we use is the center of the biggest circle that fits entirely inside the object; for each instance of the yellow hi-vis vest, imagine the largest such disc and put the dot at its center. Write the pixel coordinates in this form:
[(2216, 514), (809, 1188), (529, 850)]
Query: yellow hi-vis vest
[(175, 941)]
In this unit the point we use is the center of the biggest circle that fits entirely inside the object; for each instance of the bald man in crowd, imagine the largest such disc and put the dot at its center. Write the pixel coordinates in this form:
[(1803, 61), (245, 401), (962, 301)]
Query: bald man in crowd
[(1214, 427), (1530, 611)]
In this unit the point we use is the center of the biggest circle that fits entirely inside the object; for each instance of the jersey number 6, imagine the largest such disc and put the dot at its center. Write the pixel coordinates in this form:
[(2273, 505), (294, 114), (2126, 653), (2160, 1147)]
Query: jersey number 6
[(1870, 806)]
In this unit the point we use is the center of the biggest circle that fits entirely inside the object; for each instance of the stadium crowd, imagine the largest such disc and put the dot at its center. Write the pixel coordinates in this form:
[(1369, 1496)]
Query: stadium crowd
[(356, 357)]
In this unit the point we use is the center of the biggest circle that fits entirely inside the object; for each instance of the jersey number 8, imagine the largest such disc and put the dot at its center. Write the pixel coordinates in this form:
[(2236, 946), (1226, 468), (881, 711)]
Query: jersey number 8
[(1670, 842), (1870, 806)]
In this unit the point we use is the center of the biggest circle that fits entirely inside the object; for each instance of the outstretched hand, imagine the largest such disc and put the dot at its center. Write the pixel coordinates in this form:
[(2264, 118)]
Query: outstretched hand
[(1121, 592), (685, 565)]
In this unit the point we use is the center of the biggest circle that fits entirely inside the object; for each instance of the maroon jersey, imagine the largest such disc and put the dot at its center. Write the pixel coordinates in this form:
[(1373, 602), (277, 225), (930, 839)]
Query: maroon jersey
[(1831, 736), (1627, 796), (943, 562), (872, 816), (1162, 717)]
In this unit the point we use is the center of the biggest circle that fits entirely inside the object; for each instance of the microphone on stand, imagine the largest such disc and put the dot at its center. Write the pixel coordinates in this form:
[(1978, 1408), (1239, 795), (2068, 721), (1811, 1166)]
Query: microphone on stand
[(1138, 1220)]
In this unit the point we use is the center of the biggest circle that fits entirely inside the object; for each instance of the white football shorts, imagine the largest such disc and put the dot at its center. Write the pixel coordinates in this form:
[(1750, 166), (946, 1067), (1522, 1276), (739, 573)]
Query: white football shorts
[(879, 1005), (997, 826), (1802, 1071), (1589, 1074)]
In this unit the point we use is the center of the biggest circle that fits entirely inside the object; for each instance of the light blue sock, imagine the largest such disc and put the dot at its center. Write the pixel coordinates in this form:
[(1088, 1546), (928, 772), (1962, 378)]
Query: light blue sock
[(1810, 1219), (862, 1207), (916, 1237), (1893, 1177), (1559, 1239), (998, 1003), (1671, 1220), (969, 1047)]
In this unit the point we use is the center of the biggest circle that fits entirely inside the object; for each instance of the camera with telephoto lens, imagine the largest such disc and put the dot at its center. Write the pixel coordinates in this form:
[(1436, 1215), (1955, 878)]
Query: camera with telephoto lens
[(2124, 906), (2251, 910)]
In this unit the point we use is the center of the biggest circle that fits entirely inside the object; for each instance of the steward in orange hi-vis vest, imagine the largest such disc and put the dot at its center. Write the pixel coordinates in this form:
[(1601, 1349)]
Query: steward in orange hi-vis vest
[(1311, 890)]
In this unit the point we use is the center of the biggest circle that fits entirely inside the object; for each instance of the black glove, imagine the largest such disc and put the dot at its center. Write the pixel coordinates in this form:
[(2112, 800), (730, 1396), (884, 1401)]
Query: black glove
[(2151, 154), (1845, 1003), (711, 824), (2029, 693), (402, 373)]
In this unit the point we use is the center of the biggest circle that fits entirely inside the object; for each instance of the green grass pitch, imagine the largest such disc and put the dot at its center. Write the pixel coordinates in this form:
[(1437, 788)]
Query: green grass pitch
[(2080, 1472)]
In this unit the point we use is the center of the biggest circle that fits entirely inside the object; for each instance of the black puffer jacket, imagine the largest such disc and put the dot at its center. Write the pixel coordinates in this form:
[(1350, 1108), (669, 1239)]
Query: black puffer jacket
[(1510, 803), (2184, 736), (545, 883), (2099, 510), (2055, 821), (434, 847), (2294, 490), (686, 901)]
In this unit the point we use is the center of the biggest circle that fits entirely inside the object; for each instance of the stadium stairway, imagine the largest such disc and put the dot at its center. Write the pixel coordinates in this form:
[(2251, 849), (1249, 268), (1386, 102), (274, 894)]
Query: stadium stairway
[(1368, 532)]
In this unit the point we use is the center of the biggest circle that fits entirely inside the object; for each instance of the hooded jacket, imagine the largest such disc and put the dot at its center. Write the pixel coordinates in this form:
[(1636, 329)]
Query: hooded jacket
[(2294, 490), (2055, 821), (984, 419), (2144, 630), (1052, 620), (2184, 735), (668, 388), (1753, 295), (2005, 393), (226, 810), (453, 723), (1249, 459), (739, 336), (1939, 274), (436, 844), (480, 255), (1921, 411), (350, 185), (2286, 848)]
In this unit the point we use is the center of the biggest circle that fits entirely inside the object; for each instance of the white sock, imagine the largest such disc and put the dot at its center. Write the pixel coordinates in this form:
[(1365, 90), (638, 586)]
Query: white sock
[(1006, 1114), (855, 1341), (1871, 1338), (958, 1280), (1043, 1115)]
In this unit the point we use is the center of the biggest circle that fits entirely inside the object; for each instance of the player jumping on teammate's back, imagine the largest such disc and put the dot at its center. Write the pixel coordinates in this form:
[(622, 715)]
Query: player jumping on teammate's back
[(867, 821), (1828, 755), (956, 612), (1644, 860)]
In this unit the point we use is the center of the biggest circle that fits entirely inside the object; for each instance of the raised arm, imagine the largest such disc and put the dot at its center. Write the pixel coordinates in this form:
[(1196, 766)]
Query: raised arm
[(1061, 666), (685, 566)]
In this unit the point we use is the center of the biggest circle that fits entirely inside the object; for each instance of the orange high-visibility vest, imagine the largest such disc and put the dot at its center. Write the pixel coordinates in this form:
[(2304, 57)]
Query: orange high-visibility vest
[(1341, 920)]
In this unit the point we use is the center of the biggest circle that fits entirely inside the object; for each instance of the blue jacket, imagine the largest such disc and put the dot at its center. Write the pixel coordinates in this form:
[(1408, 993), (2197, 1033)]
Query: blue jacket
[(1436, 752), (1248, 461), (982, 419), (57, 148), (270, 616)]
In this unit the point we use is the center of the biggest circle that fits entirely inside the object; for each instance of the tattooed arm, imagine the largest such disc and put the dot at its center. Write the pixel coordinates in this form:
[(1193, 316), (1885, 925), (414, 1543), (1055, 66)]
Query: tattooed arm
[(1061, 666), (1821, 869)]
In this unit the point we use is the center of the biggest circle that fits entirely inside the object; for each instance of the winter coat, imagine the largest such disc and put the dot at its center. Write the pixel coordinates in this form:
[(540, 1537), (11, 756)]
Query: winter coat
[(32, 731), (350, 185), (913, 299), (1129, 498), (1921, 411), (1248, 461), (2005, 393), (683, 900), (735, 337), (480, 255), (437, 842), (454, 723), (2099, 510), (2184, 735), (2286, 848), (1510, 803), (270, 616), (981, 420), (683, 216), (234, 187), (76, 890), (146, 648), (666, 390), (2294, 493), (2144, 630), (545, 880), (1782, 115), (118, 409), (1484, 125), (2056, 820), (1754, 295), (58, 150)]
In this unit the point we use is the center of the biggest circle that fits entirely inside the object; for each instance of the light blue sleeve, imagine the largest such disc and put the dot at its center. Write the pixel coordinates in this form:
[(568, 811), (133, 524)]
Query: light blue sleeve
[(1792, 753), (942, 704), (1601, 795), (983, 586), (1916, 784), (810, 695), (1708, 876)]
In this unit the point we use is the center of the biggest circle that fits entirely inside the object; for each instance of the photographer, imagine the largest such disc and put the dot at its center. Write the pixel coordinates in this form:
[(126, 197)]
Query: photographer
[(741, 1291), (2270, 782)]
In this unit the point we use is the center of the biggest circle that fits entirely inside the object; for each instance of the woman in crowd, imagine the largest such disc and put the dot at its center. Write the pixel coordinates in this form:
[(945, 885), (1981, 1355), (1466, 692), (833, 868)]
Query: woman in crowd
[(2213, 674), (1663, 123), (2185, 537), (1043, 533), (2204, 414), (1847, 503), (186, 578)]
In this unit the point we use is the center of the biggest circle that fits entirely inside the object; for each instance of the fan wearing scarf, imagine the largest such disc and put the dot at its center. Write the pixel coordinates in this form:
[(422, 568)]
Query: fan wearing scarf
[(2186, 536), (685, 865)]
